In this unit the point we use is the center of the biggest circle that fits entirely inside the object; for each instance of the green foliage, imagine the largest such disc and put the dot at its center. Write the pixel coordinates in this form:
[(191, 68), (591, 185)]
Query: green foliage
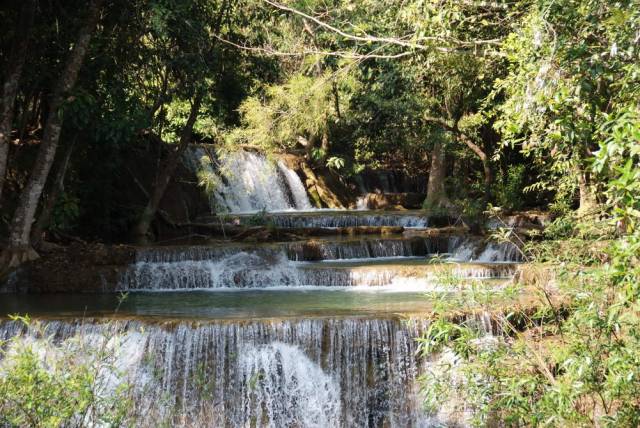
[(303, 107), (561, 227), (45, 384), (66, 211), (573, 371), (567, 61), (335, 162), (619, 157), (470, 207), (509, 191)]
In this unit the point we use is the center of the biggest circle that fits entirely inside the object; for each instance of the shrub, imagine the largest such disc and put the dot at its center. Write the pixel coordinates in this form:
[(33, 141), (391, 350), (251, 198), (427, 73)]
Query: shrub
[(48, 384), (510, 188)]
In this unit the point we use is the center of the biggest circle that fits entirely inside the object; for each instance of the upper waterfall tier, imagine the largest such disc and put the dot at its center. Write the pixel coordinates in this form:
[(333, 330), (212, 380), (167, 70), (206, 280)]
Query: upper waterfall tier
[(248, 182), (459, 248)]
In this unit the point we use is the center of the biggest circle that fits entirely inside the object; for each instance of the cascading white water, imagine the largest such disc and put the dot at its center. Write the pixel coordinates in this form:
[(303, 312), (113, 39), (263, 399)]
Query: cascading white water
[(238, 270), (496, 252), (473, 249), (365, 248), (287, 387), (275, 266), (169, 268), (248, 182), (361, 203), (299, 193), (303, 373), (333, 220)]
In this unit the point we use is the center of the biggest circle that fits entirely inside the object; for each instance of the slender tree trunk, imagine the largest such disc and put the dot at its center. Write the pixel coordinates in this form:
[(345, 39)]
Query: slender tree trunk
[(57, 187), (24, 116), (336, 99), (436, 192), (167, 170), (20, 249), (325, 145), (588, 197), (15, 64), (461, 137)]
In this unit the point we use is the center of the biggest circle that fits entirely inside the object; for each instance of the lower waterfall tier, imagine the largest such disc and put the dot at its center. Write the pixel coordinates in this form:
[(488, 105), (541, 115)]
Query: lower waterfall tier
[(303, 373)]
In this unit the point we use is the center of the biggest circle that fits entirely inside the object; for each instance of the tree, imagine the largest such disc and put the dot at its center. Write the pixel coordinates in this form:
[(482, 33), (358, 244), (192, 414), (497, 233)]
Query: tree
[(166, 172), (198, 63), (565, 59), (19, 249), (437, 198), (14, 65)]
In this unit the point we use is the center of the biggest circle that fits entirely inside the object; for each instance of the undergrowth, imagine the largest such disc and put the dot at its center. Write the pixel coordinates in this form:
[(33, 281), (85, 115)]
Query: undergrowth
[(572, 365)]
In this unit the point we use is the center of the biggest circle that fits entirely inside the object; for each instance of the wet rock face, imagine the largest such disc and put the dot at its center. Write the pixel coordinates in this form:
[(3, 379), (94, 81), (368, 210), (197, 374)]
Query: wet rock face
[(382, 201), (391, 181), (79, 268)]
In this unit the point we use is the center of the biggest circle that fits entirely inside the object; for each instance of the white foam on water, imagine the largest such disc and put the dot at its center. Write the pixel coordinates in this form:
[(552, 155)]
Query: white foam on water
[(275, 266), (285, 388), (466, 249)]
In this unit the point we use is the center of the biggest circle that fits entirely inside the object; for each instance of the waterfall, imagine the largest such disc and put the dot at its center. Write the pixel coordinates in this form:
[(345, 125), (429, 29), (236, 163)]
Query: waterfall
[(353, 219), (171, 254), (288, 388), (496, 252), (299, 193), (276, 266), (362, 203), (315, 250), (250, 183), (474, 249), (309, 250), (238, 270), (305, 373), (247, 182)]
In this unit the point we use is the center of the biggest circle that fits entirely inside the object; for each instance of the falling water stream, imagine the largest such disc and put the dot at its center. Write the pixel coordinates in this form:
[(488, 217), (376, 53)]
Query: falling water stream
[(247, 182)]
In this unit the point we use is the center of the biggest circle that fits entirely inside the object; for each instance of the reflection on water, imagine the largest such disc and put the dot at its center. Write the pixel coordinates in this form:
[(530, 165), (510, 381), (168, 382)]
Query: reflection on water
[(224, 304)]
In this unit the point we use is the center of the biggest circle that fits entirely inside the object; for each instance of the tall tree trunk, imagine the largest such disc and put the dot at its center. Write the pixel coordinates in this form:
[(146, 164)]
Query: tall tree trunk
[(436, 192), (141, 230), (57, 187), (19, 249), (15, 64)]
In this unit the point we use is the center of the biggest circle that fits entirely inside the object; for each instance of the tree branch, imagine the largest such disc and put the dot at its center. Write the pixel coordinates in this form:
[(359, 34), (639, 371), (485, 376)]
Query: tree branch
[(453, 128), (399, 41), (306, 52)]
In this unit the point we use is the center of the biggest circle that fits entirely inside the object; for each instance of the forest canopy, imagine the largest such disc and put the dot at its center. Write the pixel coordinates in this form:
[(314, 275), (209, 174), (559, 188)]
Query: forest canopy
[(518, 103)]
